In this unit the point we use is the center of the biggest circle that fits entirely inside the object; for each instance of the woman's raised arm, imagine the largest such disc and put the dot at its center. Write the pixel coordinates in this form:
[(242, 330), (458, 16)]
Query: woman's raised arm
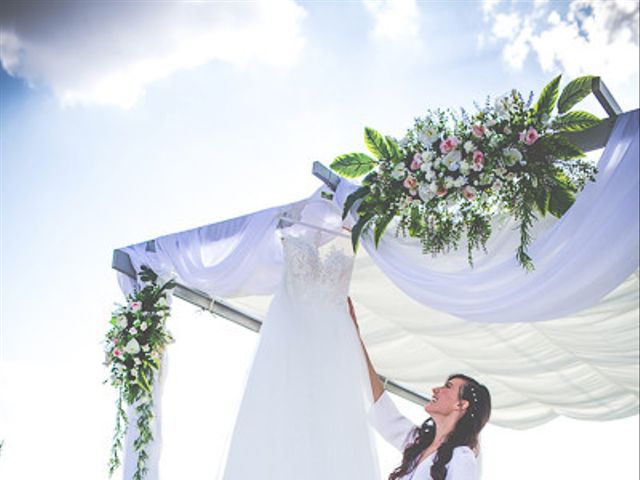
[(377, 389)]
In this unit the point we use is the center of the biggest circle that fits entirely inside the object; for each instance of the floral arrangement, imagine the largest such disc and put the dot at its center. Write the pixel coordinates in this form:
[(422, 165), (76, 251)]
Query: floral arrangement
[(451, 174), (134, 347)]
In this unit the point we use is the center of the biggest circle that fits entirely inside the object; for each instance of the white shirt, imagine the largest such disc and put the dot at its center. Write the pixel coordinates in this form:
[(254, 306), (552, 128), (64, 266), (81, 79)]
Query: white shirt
[(396, 429)]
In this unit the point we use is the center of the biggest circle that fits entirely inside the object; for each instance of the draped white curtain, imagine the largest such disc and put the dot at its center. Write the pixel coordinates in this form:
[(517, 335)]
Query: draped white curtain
[(562, 340)]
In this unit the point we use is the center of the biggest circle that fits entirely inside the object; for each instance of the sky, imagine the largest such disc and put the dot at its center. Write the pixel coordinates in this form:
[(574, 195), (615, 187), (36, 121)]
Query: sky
[(124, 121)]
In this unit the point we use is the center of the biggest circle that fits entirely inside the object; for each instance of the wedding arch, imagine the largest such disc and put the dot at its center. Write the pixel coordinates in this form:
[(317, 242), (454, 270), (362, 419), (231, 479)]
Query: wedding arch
[(560, 340)]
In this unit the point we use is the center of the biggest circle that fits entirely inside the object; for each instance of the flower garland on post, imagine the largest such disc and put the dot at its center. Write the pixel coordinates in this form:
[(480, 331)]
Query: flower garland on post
[(451, 174), (134, 347)]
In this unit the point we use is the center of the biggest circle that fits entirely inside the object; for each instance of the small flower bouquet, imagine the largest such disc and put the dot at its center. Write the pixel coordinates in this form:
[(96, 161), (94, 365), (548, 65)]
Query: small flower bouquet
[(451, 173), (133, 348)]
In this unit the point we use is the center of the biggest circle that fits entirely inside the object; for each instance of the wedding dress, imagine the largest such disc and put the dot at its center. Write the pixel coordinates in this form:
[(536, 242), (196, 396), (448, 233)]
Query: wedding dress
[(303, 415)]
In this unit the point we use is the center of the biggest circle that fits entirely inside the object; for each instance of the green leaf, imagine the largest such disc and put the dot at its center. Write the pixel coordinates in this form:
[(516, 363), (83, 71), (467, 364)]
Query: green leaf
[(357, 229), (352, 198), (575, 91), (559, 147), (561, 195), (381, 226), (353, 165), (548, 97), (394, 149), (575, 121), (542, 200), (377, 144)]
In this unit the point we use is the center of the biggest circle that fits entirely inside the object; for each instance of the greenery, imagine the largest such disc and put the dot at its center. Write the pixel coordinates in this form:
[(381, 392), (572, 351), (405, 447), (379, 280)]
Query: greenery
[(451, 173), (134, 346)]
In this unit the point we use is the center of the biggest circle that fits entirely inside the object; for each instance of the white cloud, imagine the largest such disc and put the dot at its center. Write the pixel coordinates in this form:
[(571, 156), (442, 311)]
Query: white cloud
[(396, 20), (594, 37), (103, 53)]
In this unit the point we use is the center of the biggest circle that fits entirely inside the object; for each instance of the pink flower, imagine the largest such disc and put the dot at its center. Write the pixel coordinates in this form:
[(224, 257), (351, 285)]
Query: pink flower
[(135, 306), (521, 136), (469, 192), (449, 144), (531, 136), (416, 162), (478, 160), (442, 191), (410, 183), (117, 352), (478, 130)]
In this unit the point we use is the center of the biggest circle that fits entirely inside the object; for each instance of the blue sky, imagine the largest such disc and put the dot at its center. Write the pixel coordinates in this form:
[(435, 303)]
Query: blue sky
[(212, 111)]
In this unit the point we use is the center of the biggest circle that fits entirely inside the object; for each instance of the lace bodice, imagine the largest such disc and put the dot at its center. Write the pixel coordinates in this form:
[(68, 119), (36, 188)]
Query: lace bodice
[(310, 275)]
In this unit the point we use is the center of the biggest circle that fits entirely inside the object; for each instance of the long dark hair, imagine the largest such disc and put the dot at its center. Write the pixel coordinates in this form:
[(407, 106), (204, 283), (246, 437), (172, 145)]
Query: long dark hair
[(465, 432)]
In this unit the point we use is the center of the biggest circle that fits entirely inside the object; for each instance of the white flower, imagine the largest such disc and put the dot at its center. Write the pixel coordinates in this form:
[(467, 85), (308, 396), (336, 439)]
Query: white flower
[(497, 185), (145, 348), (428, 135), (452, 160), (460, 181), (465, 167), (449, 182), (469, 146), (137, 361), (134, 373), (133, 330), (121, 322), (429, 175), (511, 156), (502, 105), (132, 347), (428, 156), (425, 192), (399, 171), (143, 326)]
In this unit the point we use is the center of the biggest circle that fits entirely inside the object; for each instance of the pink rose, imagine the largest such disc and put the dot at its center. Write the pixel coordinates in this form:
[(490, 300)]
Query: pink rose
[(410, 183), (469, 192), (531, 136), (135, 306), (442, 191), (117, 352), (449, 144), (416, 163), (478, 130), (478, 160), (521, 136)]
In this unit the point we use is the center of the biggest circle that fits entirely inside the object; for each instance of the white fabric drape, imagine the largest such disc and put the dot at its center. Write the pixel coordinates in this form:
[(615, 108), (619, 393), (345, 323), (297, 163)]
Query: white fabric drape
[(562, 340)]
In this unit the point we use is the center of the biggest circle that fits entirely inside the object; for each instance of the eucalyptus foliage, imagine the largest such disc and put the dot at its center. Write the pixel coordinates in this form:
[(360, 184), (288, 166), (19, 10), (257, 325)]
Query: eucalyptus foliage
[(451, 173), (134, 346)]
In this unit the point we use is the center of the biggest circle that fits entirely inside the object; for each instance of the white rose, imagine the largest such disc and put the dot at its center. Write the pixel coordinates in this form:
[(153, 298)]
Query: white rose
[(399, 171), (137, 361), (145, 348), (465, 168), (143, 326), (133, 330), (121, 322), (132, 347)]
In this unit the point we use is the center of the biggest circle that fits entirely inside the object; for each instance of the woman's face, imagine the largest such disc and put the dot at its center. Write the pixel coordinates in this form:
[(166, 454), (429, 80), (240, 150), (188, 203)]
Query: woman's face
[(446, 399)]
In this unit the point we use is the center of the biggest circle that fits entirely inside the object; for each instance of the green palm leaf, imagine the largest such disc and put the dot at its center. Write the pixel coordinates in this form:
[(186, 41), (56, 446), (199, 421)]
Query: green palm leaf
[(574, 92), (351, 165)]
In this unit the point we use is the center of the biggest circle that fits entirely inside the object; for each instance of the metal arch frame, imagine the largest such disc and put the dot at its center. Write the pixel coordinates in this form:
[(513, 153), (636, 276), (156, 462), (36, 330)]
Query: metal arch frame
[(589, 140)]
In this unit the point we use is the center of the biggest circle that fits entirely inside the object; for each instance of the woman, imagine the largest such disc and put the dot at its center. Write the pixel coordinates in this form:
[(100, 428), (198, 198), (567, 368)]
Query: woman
[(446, 445)]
